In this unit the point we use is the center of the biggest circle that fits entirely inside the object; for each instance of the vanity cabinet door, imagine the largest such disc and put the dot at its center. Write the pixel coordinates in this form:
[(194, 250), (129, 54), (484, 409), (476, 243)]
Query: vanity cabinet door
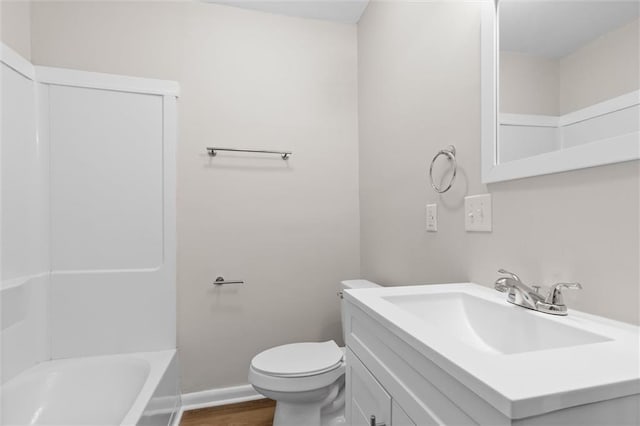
[(399, 417), (365, 396)]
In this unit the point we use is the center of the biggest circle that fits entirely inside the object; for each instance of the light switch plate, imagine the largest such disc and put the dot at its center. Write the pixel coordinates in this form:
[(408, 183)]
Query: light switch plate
[(432, 217), (477, 213)]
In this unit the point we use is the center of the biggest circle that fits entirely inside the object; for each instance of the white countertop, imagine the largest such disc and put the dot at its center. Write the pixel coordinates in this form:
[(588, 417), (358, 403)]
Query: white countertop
[(518, 384)]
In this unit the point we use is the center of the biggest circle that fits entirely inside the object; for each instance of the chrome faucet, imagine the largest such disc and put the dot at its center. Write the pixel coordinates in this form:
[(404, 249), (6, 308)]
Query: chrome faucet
[(521, 294)]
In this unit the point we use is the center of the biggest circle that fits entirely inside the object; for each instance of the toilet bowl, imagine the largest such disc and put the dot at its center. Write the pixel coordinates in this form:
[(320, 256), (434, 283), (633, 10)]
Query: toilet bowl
[(305, 379)]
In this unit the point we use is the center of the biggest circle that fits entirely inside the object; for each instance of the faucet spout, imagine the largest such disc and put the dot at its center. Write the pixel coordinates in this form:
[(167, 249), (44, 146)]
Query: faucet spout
[(518, 292)]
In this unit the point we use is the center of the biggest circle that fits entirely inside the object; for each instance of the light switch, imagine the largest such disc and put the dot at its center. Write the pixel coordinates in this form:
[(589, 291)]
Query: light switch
[(432, 217), (477, 213)]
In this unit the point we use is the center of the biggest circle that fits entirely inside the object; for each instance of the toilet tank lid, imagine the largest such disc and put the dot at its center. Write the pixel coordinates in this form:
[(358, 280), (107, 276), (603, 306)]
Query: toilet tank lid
[(355, 284)]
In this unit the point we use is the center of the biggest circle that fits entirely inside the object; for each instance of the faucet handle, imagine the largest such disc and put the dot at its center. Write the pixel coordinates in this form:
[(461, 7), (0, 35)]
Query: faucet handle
[(555, 293), (501, 285), (511, 274)]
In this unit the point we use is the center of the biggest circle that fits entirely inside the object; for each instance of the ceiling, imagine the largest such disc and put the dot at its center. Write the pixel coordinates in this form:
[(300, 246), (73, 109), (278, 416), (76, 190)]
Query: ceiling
[(557, 28), (346, 11)]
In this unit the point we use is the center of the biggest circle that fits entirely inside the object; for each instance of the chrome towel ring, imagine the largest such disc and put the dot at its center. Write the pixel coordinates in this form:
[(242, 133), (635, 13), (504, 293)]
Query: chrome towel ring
[(450, 153)]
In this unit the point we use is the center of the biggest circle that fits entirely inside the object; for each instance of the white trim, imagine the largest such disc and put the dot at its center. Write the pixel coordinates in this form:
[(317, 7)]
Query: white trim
[(220, 396), (488, 78), (169, 243), (601, 108), (608, 151), (530, 120), (18, 281), (609, 106), (94, 80), (13, 60)]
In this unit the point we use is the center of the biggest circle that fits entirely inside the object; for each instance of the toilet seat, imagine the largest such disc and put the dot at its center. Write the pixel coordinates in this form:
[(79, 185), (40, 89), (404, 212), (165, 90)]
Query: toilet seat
[(262, 381), (299, 359)]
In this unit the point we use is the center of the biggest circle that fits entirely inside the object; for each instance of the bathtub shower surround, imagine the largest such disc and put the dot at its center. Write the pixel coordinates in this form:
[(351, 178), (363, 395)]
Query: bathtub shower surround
[(88, 246), (112, 213), (25, 258)]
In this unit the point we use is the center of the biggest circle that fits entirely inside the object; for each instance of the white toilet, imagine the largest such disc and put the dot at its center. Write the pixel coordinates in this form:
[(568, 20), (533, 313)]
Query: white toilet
[(305, 379)]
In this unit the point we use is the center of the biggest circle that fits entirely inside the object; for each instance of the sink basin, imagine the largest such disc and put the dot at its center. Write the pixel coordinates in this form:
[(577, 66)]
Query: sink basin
[(489, 326)]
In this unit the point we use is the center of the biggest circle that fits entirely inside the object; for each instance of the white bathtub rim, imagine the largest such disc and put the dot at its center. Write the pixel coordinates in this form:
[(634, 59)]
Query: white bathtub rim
[(158, 364)]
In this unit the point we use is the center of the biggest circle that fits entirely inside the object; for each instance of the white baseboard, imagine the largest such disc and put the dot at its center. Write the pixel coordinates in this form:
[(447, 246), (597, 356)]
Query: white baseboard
[(220, 396)]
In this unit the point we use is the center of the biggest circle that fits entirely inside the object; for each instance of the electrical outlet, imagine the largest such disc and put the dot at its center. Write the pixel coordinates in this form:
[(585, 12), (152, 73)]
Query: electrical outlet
[(432, 217), (477, 213)]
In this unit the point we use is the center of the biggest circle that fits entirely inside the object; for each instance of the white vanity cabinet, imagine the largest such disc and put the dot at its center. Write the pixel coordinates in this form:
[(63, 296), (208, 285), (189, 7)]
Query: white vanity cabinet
[(381, 383), (395, 376), (399, 417), (367, 398)]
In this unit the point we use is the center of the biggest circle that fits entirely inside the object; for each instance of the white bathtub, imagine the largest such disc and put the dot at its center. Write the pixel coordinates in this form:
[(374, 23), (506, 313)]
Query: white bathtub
[(127, 389)]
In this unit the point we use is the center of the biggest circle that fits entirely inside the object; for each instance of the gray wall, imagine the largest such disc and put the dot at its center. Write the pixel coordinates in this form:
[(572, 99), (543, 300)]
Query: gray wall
[(248, 79), (419, 90), (15, 26)]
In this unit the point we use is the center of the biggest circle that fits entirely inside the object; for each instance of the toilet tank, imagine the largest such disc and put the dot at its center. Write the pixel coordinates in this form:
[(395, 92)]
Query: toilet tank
[(352, 285)]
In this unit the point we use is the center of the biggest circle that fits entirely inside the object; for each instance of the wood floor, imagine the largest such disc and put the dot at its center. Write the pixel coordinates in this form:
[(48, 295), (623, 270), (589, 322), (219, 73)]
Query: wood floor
[(252, 413)]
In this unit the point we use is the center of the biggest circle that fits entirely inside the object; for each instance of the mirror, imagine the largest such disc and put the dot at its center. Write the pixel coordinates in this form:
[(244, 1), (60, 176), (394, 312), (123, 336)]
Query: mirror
[(561, 82)]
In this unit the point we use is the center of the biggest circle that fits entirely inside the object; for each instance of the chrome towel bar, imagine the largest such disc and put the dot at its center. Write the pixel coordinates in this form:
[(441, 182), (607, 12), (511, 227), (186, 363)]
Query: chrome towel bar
[(213, 151)]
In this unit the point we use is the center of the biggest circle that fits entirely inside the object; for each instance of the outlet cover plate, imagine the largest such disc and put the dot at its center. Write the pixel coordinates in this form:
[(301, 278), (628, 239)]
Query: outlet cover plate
[(431, 211)]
